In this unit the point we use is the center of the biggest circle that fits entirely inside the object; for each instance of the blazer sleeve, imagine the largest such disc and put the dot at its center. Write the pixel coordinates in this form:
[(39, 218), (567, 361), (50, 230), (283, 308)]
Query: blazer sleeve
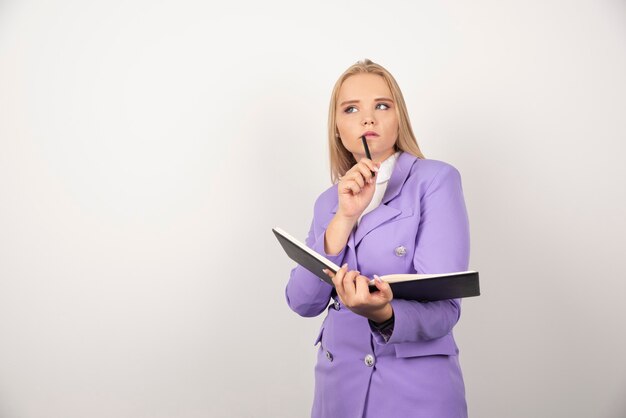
[(442, 246), (307, 294)]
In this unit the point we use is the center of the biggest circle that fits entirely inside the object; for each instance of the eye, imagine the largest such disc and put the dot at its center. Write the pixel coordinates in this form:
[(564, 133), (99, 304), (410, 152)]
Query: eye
[(382, 106), (350, 109)]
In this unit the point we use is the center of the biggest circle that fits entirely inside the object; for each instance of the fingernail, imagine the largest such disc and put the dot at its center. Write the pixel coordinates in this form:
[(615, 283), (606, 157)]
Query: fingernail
[(375, 168), (344, 266)]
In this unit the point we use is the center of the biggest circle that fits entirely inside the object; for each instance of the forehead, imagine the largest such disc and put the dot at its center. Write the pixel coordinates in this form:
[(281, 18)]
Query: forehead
[(363, 86)]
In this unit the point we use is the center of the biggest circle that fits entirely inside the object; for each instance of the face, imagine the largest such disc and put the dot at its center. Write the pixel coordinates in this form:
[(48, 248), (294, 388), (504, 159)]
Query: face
[(365, 107)]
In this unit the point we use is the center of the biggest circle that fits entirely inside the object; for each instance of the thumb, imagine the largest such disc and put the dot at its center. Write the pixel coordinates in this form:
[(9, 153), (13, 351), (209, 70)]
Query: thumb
[(383, 287)]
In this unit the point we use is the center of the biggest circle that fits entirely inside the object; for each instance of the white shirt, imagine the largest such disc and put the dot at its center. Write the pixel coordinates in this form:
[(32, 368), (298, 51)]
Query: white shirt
[(382, 179)]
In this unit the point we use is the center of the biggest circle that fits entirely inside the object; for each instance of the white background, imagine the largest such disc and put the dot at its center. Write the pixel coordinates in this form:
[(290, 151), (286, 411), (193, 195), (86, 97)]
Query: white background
[(148, 147)]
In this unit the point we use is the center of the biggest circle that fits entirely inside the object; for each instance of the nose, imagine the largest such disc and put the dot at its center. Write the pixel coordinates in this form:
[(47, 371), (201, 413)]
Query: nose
[(367, 121)]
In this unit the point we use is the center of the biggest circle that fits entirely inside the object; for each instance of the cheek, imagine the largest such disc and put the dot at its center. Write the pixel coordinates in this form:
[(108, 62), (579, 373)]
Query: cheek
[(393, 123), (347, 132), (390, 121), (391, 131), (340, 125), (345, 140), (344, 122), (395, 129)]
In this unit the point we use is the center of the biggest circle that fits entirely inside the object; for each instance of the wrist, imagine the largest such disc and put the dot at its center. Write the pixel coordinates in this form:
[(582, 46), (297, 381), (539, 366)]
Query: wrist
[(337, 233), (346, 220), (381, 315)]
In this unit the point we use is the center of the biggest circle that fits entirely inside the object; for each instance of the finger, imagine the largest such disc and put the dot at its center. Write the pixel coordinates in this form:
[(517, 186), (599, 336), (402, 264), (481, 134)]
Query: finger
[(349, 285), (370, 164), (365, 169), (383, 287), (362, 287), (355, 188), (357, 177), (338, 276), (364, 166), (338, 279), (329, 273), (350, 187)]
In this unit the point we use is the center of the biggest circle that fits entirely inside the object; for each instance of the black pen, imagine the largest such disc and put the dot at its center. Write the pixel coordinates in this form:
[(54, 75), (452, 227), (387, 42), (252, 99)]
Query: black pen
[(367, 152)]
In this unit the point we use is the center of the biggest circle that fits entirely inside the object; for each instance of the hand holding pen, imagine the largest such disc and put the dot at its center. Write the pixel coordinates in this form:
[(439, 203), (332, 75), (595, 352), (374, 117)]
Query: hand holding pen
[(356, 187), (355, 191)]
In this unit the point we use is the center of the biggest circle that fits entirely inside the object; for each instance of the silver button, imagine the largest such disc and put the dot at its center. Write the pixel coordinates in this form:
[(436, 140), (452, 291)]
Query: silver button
[(369, 360), (329, 356), (336, 305), (400, 251)]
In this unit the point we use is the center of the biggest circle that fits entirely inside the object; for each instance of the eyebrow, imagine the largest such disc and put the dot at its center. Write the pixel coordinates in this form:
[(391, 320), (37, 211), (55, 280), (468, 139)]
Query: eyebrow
[(379, 99)]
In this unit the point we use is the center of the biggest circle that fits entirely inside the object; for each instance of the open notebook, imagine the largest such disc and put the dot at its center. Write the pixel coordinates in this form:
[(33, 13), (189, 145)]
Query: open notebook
[(420, 287)]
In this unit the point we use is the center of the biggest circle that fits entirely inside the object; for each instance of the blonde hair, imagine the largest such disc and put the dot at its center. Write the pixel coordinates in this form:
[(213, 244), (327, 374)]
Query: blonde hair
[(341, 160)]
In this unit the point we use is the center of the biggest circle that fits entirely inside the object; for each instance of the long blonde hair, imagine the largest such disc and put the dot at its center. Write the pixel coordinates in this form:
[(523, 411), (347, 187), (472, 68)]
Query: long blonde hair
[(341, 160)]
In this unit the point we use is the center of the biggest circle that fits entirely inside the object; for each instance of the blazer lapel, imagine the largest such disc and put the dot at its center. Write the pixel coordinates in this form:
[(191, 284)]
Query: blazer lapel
[(398, 177), (384, 213), (375, 218)]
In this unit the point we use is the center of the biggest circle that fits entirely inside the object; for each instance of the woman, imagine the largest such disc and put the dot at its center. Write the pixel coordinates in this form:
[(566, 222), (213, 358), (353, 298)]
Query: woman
[(395, 213)]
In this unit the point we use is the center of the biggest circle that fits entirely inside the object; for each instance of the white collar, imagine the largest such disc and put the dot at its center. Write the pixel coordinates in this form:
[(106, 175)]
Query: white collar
[(386, 168)]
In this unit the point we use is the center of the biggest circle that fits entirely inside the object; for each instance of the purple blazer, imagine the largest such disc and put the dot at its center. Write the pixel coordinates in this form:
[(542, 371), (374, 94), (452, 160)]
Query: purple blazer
[(415, 373)]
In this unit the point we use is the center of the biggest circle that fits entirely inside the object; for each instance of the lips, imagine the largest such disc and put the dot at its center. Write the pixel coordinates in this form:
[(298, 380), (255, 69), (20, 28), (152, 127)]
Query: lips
[(370, 134)]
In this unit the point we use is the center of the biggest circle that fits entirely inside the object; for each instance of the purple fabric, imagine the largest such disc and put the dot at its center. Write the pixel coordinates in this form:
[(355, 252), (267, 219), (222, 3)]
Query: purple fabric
[(415, 373)]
